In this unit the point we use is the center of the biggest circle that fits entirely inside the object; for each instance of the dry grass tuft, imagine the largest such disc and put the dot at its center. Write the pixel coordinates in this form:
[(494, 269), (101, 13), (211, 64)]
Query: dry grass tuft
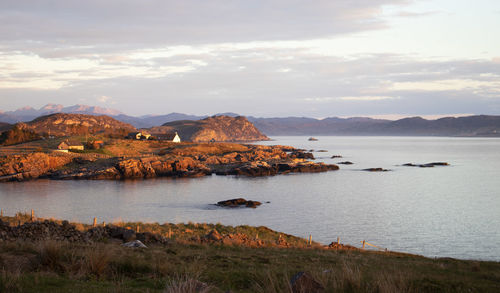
[(52, 255), (9, 281), (185, 284), (97, 260)]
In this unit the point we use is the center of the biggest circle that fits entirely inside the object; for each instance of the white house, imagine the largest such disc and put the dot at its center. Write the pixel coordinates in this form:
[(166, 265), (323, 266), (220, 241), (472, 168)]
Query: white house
[(173, 137)]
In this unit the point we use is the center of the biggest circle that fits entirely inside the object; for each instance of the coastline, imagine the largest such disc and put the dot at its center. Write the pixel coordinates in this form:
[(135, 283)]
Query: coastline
[(161, 160)]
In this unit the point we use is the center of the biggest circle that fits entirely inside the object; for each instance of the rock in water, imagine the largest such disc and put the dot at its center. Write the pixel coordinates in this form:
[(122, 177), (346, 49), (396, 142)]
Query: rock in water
[(239, 202), (303, 282), (427, 165), (376, 170), (135, 244)]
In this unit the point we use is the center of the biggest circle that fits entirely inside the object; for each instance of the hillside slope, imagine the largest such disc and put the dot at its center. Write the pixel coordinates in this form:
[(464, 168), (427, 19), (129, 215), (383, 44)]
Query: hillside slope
[(76, 124), (218, 128), (5, 126)]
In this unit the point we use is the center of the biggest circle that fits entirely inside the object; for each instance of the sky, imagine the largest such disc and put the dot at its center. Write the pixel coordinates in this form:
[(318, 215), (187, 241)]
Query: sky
[(323, 58)]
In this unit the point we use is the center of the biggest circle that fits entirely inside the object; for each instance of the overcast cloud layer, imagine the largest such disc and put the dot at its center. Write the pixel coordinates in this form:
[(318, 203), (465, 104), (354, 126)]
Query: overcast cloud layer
[(261, 58)]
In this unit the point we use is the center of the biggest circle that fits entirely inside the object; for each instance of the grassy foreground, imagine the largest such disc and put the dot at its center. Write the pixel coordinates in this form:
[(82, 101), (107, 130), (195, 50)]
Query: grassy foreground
[(181, 266)]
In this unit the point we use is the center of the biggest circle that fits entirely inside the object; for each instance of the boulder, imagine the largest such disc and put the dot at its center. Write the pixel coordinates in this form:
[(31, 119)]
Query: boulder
[(121, 233), (135, 244), (239, 202), (303, 282), (213, 236)]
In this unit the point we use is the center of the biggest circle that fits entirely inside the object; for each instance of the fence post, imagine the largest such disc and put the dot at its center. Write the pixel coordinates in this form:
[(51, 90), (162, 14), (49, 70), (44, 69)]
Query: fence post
[(1, 212), (32, 215), (338, 240), (104, 223), (95, 222), (137, 229), (310, 239), (364, 244)]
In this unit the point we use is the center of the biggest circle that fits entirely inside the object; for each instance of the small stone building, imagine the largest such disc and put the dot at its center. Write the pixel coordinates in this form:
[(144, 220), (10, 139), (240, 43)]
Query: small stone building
[(139, 135), (70, 145), (63, 146)]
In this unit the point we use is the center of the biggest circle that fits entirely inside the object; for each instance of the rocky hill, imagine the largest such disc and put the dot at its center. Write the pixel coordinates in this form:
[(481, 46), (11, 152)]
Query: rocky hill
[(76, 124), (218, 128)]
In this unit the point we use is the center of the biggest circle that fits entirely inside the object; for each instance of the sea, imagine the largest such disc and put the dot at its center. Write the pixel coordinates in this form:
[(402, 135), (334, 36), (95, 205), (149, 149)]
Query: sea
[(444, 211)]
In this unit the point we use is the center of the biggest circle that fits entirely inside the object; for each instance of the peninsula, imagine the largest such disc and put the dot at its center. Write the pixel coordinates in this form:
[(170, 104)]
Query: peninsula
[(102, 150)]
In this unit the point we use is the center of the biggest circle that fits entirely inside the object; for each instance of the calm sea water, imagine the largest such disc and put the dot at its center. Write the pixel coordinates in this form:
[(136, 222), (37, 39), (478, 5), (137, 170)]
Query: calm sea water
[(449, 211)]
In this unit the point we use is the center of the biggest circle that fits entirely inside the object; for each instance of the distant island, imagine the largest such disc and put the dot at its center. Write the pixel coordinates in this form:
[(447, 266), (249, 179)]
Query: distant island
[(476, 125)]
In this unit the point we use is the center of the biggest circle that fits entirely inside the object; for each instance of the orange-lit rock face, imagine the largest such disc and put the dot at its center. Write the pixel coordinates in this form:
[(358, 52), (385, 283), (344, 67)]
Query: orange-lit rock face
[(217, 128)]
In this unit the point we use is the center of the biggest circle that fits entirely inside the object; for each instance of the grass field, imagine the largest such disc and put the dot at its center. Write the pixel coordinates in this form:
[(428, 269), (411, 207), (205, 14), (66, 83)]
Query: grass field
[(108, 267), (181, 266), (127, 147)]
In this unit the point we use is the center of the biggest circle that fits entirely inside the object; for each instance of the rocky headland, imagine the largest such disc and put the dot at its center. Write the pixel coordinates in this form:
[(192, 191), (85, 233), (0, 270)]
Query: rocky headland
[(185, 160)]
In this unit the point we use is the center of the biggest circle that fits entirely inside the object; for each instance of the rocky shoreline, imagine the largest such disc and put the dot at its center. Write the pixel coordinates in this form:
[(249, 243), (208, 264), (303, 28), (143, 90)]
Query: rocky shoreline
[(21, 228), (252, 160)]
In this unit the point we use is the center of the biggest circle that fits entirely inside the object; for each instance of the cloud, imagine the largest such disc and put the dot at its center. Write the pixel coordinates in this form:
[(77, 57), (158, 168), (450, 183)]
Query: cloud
[(367, 98), (277, 57), (104, 99), (350, 98), (249, 81), (71, 28), (409, 14)]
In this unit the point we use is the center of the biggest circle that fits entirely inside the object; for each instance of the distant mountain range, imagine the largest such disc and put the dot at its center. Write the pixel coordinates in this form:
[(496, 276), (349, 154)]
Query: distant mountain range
[(28, 113), (479, 125)]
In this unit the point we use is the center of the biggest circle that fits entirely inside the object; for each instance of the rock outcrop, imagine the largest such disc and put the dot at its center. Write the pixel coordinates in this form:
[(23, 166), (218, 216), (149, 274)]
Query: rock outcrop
[(215, 128), (30, 166), (250, 160)]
